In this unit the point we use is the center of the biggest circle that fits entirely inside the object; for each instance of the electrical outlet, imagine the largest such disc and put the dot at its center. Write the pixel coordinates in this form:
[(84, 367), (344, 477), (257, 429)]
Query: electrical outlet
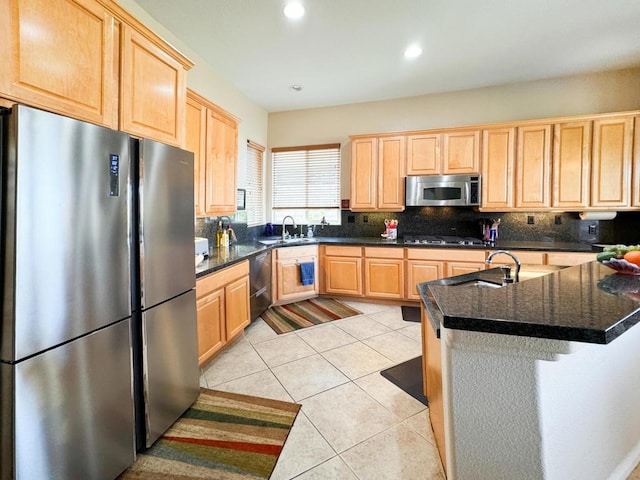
[(365, 219), (593, 229), (558, 220), (530, 220)]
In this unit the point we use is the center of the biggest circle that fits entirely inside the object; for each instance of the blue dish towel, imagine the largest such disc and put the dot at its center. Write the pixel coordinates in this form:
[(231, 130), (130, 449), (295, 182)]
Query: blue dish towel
[(307, 273)]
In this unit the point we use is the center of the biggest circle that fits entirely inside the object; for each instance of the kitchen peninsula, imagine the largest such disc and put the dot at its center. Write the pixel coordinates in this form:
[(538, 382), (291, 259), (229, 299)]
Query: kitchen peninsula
[(539, 379)]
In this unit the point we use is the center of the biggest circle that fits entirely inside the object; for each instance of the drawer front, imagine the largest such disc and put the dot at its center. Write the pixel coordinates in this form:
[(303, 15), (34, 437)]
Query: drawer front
[(342, 251), (446, 254), (532, 258), (382, 252), (220, 278), (296, 252)]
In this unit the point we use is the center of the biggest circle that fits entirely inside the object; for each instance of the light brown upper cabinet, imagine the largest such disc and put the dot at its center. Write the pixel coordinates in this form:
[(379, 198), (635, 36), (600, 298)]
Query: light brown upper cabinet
[(611, 162), (533, 167), (635, 200), (461, 152), (195, 141), (391, 164), (364, 166), (93, 61), (212, 135), (424, 154), (61, 55), (571, 165), (377, 173), (498, 154), (153, 90)]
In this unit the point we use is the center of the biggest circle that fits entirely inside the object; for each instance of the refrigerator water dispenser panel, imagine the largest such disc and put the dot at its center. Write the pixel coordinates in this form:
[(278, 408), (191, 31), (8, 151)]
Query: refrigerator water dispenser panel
[(114, 173)]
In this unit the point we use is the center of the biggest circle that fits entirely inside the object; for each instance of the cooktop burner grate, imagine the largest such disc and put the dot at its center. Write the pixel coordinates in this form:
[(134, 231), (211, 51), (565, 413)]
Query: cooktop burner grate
[(441, 240)]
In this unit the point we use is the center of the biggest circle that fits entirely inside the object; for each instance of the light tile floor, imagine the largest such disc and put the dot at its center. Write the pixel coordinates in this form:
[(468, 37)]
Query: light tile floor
[(354, 424)]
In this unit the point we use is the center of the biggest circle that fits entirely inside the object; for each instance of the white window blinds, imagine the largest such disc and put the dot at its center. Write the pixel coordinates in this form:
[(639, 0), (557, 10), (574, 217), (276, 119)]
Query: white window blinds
[(255, 191), (306, 183)]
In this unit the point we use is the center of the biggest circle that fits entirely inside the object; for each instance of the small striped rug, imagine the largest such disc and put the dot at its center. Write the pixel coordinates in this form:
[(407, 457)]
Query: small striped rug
[(223, 435), (306, 313)]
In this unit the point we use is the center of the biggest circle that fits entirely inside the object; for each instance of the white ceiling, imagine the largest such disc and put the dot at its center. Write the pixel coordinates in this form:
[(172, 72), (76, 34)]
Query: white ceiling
[(349, 51)]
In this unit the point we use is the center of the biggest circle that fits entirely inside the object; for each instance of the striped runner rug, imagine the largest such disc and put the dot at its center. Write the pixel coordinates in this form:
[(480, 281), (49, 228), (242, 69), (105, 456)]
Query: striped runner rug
[(306, 313), (223, 435)]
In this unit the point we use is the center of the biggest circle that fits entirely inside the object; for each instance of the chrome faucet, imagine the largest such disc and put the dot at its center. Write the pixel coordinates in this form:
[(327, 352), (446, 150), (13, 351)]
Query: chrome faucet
[(284, 230), (506, 270)]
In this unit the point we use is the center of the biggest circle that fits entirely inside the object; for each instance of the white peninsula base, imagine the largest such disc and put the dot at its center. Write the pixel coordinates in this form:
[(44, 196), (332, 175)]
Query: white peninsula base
[(532, 408)]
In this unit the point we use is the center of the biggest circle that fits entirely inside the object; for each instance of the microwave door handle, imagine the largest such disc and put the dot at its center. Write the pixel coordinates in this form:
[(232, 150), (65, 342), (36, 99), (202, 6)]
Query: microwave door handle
[(467, 192)]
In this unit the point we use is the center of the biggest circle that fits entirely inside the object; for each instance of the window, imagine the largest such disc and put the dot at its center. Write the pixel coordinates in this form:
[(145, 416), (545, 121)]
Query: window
[(306, 183), (255, 192)]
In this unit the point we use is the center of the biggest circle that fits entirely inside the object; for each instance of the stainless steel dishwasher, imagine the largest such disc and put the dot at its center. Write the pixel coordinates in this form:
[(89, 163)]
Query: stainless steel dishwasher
[(260, 283)]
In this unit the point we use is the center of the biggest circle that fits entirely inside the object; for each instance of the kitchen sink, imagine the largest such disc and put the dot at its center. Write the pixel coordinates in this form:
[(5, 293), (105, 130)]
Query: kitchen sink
[(288, 241), (478, 283)]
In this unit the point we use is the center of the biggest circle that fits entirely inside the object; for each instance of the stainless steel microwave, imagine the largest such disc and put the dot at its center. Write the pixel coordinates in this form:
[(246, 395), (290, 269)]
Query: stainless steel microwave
[(442, 190)]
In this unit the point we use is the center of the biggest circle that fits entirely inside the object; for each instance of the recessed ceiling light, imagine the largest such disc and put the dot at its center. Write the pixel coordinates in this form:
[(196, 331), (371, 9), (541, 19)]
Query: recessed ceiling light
[(413, 51), (295, 88), (294, 10)]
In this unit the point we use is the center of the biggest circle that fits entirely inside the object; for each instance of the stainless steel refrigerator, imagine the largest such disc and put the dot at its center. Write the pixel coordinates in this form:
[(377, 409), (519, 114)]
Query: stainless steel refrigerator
[(73, 320), (168, 371)]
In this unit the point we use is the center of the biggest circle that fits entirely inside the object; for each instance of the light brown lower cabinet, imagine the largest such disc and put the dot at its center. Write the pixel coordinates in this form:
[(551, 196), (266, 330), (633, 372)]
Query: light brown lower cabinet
[(569, 258), (420, 268), (222, 301), (287, 285), (341, 270), (384, 273)]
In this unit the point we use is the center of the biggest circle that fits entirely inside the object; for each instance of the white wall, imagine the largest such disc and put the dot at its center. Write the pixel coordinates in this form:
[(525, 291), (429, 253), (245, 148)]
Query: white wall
[(209, 84), (584, 94)]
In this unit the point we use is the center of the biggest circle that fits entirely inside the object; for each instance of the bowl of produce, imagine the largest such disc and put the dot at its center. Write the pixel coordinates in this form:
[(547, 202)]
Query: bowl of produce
[(624, 259)]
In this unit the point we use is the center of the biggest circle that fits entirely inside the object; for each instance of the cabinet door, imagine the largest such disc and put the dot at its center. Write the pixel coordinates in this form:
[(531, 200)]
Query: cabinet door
[(423, 154), (343, 275), (364, 166), (635, 200), (569, 258), (419, 272), (289, 288), (571, 165), (462, 152), (498, 153), (153, 91), (383, 278), (611, 162), (210, 317), (221, 164), (237, 306), (432, 377), (195, 142), (460, 268), (391, 164), (61, 55), (533, 165)]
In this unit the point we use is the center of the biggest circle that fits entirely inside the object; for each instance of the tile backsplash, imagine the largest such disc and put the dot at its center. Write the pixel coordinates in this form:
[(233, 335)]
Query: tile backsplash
[(459, 221)]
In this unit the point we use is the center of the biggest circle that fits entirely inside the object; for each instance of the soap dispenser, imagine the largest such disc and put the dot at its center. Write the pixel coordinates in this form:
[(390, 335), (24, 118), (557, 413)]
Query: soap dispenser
[(310, 231)]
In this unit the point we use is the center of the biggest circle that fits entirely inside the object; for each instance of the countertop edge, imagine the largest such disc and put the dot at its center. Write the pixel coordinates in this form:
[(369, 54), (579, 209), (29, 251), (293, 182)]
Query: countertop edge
[(248, 250)]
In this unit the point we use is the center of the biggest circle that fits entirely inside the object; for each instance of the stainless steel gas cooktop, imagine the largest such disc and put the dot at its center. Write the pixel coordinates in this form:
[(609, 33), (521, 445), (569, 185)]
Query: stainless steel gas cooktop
[(441, 240)]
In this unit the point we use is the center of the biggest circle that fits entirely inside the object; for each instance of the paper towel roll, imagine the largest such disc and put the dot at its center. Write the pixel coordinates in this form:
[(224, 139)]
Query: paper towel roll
[(597, 215)]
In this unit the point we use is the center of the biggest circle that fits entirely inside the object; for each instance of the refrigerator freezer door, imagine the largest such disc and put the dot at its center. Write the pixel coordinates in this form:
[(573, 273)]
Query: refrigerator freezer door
[(67, 263), (171, 374), (166, 222), (73, 409)]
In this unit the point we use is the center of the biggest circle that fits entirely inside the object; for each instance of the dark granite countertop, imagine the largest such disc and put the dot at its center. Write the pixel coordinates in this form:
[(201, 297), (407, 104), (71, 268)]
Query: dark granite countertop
[(221, 258), (586, 303)]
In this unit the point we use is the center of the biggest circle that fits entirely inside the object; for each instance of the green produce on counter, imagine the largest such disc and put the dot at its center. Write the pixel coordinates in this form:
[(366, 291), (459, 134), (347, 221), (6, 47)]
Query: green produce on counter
[(616, 251)]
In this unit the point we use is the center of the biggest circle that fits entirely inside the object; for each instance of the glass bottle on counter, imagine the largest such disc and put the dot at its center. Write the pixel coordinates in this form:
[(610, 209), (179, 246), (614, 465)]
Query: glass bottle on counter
[(219, 234)]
